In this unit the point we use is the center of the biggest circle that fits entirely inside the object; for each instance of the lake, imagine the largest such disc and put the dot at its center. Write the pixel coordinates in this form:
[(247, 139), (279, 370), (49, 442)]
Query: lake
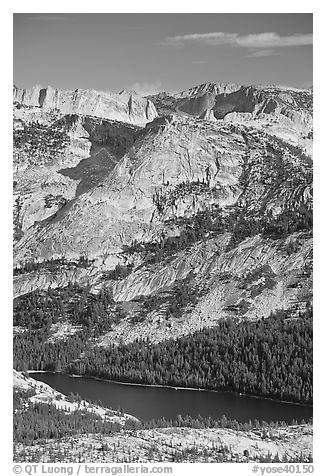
[(156, 402)]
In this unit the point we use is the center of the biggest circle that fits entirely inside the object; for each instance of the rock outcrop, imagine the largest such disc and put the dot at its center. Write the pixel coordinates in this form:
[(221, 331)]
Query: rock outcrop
[(147, 197), (286, 107), (40, 392), (170, 151), (54, 162), (208, 115), (212, 88), (125, 107), (254, 99)]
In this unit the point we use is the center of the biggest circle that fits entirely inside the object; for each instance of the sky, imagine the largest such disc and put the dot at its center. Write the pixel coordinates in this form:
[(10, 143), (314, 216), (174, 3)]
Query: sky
[(151, 52)]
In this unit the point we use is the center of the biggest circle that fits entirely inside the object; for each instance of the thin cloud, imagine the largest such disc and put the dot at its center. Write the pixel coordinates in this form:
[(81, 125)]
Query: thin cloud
[(262, 53), (49, 18), (273, 40), (257, 40), (216, 38), (145, 89)]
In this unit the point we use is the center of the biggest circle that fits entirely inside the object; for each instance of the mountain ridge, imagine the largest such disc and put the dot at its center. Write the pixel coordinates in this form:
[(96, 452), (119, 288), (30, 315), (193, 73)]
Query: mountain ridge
[(136, 200), (124, 106)]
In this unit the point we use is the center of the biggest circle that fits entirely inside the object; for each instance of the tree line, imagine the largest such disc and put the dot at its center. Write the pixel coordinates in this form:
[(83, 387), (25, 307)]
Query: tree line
[(38, 311), (36, 421), (52, 265), (239, 222), (271, 358), (44, 421)]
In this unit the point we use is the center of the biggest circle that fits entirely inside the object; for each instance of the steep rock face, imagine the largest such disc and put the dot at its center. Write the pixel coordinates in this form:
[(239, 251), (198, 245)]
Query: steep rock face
[(176, 168), (29, 282), (249, 282), (210, 204), (301, 119), (170, 151), (149, 185), (125, 106), (28, 97), (280, 126), (164, 103), (109, 141), (197, 105), (257, 99), (40, 150), (212, 88), (55, 161), (254, 102), (280, 111), (208, 115)]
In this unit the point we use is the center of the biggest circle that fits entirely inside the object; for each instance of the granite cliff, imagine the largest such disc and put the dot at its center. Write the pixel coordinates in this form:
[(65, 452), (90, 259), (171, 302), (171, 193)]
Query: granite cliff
[(213, 197), (126, 106)]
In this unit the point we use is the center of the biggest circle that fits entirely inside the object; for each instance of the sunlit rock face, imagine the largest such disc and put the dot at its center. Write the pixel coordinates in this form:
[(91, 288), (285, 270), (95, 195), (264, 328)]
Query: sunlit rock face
[(223, 98), (127, 106), (168, 152), (94, 186), (59, 158)]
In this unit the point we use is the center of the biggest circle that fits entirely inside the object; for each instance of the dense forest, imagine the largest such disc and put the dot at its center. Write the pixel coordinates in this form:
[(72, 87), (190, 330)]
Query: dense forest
[(35, 314), (271, 357), (40, 309), (40, 138), (33, 351)]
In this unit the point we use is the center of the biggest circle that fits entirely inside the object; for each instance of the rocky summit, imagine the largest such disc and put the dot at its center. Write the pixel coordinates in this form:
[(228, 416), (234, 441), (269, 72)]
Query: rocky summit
[(203, 198), (126, 106)]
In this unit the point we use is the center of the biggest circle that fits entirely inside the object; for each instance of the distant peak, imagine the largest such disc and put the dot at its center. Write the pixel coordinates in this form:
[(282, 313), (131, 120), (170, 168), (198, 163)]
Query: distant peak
[(213, 88)]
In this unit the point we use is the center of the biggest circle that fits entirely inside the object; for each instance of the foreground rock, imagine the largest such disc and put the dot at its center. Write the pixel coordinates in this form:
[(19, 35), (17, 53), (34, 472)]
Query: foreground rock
[(43, 393), (174, 444), (177, 445)]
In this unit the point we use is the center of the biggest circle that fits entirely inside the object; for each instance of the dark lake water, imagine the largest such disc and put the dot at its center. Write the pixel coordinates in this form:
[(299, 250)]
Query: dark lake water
[(155, 402)]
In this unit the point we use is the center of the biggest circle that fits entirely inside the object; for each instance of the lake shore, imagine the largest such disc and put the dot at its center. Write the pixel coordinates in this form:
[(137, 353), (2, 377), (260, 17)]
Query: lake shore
[(173, 387)]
